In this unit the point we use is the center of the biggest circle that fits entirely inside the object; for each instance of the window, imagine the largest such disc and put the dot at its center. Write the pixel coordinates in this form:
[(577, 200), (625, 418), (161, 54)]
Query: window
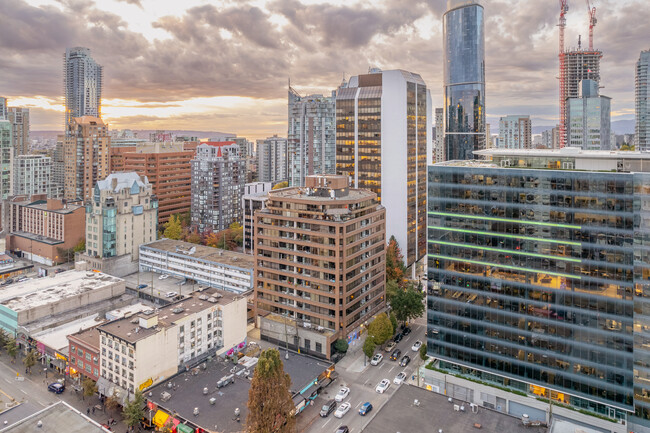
[(80, 364), (87, 356), (80, 352), (88, 368), (319, 348), (71, 349), (307, 344), (95, 372)]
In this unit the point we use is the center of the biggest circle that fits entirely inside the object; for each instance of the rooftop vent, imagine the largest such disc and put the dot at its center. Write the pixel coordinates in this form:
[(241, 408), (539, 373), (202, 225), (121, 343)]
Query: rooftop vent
[(212, 299), (203, 297), (178, 310), (147, 312)]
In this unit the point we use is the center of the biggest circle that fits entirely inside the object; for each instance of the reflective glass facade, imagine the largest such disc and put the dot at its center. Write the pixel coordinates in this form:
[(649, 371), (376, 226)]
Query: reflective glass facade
[(538, 281), (464, 75)]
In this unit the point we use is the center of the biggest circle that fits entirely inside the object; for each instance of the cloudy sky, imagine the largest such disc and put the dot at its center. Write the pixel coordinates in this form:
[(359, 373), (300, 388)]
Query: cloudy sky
[(223, 65)]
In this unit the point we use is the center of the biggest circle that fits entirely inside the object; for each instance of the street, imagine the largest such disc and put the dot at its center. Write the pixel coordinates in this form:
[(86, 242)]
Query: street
[(362, 382)]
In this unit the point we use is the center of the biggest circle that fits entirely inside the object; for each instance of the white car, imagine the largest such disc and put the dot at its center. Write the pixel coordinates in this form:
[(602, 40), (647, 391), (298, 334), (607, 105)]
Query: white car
[(376, 359), (342, 395), (416, 346), (171, 294), (342, 410), (382, 386), (399, 379), (163, 277)]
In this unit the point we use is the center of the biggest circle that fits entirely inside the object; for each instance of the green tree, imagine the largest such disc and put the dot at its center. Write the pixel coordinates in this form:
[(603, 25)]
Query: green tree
[(423, 351), (281, 185), (270, 407), (392, 287), (193, 237), (407, 304), (395, 268), (237, 231), (184, 218), (369, 346), (3, 338), (173, 229), (341, 345), (133, 411), (111, 402), (380, 329), (30, 360), (80, 247), (89, 387), (393, 320), (12, 348)]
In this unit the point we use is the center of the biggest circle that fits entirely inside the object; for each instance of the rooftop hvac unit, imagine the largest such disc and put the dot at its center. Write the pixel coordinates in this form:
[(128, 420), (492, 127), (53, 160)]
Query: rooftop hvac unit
[(178, 310), (212, 299), (203, 297)]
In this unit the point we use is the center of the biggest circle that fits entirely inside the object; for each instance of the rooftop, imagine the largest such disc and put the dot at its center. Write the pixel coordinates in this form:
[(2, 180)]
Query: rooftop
[(436, 413), (566, 152), (60, 417), (57, 338), (89, 337), (224, 257), (307, 195), (125, 329), (121, 180), (187, 390), (43, 205), (42, 291)]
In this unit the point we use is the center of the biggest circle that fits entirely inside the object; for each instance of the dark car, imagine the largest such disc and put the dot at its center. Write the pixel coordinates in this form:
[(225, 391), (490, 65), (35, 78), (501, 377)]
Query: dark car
[(406, 331), (365, 408), (398, 338), (328, 408), (7, 281), (56, 388), (405, 361), (395, 355), (343, 429)]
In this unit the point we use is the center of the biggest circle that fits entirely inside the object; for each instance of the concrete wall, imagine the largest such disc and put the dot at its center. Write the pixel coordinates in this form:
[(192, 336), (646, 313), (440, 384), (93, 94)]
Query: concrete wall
[(275, 330), (234, 319), (156, 356), (111, 290), (119, 266)]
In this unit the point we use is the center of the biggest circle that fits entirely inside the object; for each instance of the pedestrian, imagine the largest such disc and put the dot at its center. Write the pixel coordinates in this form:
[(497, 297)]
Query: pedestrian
[(93, 410), (88, 411)]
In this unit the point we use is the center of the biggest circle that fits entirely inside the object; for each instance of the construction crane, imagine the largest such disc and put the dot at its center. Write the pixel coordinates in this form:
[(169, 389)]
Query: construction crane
[(592, 23), (564, 8)]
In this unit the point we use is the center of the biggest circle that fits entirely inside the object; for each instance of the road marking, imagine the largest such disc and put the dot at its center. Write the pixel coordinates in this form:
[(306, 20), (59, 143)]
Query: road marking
[(7, 380), (391, 369), (366, 382), (358, 405), (326, 422)]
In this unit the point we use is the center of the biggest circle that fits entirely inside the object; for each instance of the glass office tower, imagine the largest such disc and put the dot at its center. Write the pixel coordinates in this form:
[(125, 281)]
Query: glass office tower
[(538, 275), (464, 79)]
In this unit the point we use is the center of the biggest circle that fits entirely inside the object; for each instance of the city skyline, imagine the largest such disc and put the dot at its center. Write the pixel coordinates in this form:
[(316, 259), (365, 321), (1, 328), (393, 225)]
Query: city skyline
[(224, 67)]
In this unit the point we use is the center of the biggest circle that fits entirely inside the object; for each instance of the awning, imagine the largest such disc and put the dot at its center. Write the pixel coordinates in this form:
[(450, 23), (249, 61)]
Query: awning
[(109, 389), (160, 418), (182, 428)]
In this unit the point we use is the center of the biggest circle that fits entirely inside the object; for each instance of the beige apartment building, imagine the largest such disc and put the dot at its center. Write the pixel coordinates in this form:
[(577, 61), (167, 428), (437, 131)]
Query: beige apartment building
[(85, 156), (319, 263)]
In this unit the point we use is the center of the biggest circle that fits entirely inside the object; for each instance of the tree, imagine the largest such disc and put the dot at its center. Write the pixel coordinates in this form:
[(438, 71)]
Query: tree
[(111, 403), (168, 427), (270, 407), (237, 231), (391, 289), (134, 410), (393, 320), (30, 360), (184, 218), (173, 229), (80, 247), (380, 329), (407, 304), (394, 262), (3, 338), (12, 348), (212, 239), (341, 345), (423, 352), (281, 185), (369, 346), (193, 237), (89, 387)]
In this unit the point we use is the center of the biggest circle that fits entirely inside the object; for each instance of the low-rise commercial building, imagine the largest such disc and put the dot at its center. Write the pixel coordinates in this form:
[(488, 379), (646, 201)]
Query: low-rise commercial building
[(43, 230), (221, 269), (83, 353), (144, 349)]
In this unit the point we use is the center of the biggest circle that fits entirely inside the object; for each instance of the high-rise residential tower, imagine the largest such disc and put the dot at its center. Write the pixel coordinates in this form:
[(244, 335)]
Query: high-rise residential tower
[(82, 83), (642, 99), (589, 118), (86, 147), (383, 132), (3, 108), (439, 144), (218, 178), (6, 158), (32, 174), (19, 118), (464, 79), (312, 136), (272, 159), (515, 132)]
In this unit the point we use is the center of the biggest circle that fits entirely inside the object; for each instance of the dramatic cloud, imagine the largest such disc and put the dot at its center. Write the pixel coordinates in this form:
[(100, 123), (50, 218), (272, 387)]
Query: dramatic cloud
[(162, 58)]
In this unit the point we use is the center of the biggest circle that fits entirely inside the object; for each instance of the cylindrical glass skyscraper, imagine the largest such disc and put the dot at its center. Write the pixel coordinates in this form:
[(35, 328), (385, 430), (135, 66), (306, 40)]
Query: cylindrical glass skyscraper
[(464, 74)]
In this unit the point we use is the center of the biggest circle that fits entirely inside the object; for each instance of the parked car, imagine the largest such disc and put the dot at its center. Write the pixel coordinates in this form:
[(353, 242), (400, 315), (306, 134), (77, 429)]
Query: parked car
[(163, 277), (342, 410), (376, 359), (171, 294), (328, 408), (382, 386), (365, 408), (406, 331), (343, 394), (395, 355), (416, 346), (342, 429), (390, 346), (142, 286), (405, 361), (56, 387), (398, 338), (400, 378), (7, 281)]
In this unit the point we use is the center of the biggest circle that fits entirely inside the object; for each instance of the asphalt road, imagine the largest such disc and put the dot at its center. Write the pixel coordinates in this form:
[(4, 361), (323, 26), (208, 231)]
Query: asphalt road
[(362, 386)]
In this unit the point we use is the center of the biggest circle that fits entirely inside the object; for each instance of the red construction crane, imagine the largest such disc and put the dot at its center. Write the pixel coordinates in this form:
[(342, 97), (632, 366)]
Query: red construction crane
[(564, 8), (592, 23)]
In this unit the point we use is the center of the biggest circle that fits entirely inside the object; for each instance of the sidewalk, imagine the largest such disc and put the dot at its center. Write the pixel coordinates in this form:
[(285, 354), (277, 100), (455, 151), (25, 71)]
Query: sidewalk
[(353, 361)]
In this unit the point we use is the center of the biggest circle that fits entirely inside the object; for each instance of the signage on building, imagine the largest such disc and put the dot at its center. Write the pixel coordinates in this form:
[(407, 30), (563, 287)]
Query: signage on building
[(146, 384)]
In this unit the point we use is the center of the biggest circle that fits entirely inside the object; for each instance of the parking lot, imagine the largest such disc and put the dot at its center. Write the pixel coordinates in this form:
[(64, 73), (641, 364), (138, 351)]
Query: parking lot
[(150, 283)]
